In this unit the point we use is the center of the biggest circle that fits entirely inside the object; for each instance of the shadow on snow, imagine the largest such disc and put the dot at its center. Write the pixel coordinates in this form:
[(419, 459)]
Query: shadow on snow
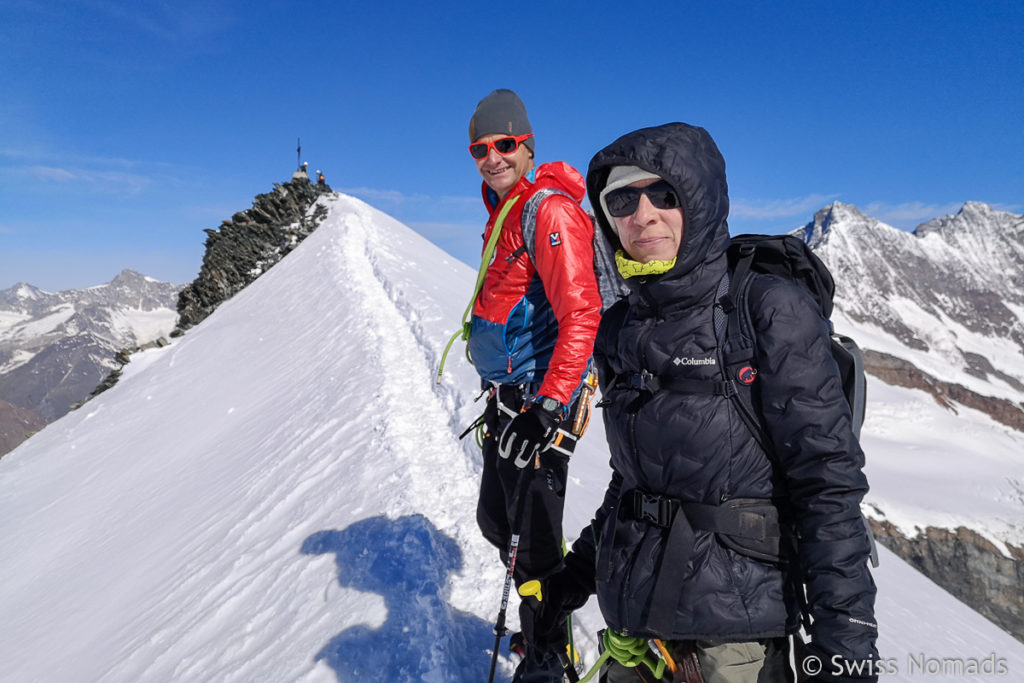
[(407, 560)]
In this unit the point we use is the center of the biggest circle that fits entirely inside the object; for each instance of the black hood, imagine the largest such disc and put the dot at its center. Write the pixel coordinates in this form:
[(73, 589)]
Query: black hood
[(689, 160)]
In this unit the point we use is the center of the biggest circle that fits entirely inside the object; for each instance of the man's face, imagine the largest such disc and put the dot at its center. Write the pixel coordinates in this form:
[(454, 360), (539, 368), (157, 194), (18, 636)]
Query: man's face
[(650, 233), (501, 172)]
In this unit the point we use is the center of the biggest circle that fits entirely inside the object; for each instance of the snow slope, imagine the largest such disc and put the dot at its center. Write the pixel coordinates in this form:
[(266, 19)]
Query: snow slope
[(280, 496), (930, 467)]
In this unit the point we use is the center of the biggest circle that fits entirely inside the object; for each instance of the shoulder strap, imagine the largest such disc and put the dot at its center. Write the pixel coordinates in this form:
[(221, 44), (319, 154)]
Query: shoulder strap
[(612, 322), (609, 284), (529, 219), (485, 262), (736, 344)]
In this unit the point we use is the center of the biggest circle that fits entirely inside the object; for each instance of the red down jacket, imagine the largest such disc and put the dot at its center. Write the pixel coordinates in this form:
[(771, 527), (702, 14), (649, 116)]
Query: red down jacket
[(535, 322)]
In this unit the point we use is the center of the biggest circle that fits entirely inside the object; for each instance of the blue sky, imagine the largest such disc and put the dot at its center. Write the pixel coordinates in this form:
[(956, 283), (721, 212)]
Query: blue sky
[(126, 128)]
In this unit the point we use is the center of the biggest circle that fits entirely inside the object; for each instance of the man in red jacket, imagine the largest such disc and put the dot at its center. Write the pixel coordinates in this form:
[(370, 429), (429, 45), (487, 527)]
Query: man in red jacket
[(533, 328)]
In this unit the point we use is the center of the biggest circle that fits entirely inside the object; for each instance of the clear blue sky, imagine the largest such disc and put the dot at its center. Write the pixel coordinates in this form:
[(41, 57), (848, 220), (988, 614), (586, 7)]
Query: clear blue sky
[(126, 128)]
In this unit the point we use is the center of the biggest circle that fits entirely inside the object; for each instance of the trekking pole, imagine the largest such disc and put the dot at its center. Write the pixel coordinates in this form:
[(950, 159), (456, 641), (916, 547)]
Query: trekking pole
[(513, 549), (569, 668)]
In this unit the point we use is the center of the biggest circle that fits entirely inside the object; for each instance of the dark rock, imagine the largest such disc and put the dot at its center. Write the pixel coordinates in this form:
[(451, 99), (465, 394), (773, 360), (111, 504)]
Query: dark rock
[(968, 566), (902, 373), (248, 245)]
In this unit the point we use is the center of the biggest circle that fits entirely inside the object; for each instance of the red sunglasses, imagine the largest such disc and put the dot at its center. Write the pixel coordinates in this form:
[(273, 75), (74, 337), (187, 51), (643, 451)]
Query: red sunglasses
[(503, 146)]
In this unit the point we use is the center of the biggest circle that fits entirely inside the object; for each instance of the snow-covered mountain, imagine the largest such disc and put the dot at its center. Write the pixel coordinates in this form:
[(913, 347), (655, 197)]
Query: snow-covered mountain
[(948, 298), (280, 495), (56, 347), (941, 311)]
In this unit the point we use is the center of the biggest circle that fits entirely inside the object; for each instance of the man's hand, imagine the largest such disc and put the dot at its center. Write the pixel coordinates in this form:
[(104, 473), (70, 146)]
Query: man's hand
[(529, 433)]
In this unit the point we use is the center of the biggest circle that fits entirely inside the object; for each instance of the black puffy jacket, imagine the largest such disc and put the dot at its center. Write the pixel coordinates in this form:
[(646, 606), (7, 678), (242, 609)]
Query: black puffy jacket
[(693, 447)]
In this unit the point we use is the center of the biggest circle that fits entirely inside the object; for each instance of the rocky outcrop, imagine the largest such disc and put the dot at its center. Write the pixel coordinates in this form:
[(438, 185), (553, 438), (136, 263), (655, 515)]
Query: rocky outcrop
[(16, 425), (968, 566), (902, 373), (245, 247), (237, 253)]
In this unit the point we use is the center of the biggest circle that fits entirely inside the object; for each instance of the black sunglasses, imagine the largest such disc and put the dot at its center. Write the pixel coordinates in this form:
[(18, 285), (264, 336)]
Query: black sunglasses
[(623, 201), (503, 146)]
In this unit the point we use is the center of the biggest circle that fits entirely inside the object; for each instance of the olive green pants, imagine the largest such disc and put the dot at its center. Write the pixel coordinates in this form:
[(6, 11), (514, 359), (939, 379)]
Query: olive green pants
[(765, 661)]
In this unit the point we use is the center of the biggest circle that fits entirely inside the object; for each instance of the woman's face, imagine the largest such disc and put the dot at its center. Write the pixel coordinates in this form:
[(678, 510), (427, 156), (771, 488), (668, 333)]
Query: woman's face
[(650, 233)]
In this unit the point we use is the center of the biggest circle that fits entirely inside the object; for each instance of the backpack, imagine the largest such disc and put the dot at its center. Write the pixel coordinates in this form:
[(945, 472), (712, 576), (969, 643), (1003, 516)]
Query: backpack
[(788, 257)]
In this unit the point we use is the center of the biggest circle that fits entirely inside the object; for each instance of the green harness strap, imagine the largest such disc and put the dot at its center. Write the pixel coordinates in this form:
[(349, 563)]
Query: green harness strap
[(485, 262)]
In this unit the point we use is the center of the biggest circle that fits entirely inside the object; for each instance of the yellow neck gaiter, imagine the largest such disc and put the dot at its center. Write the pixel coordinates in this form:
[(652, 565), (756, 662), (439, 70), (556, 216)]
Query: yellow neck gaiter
[(629, 268)]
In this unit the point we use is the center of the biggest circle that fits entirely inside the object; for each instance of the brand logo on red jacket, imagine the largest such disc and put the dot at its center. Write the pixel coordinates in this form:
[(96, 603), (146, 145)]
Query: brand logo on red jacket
[(556, 239)]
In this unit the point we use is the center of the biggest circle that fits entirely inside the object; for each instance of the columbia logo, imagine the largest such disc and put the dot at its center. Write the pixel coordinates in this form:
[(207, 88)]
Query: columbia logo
[(694, 361)]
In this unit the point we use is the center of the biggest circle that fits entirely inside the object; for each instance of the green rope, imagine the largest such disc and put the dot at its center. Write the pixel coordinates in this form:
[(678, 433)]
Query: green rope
[(628, 651), (481, 431), (485, 261)]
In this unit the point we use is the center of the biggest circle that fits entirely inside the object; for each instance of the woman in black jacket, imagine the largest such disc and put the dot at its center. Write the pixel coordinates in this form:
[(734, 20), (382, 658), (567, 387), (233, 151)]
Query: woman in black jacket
[(686, 546)]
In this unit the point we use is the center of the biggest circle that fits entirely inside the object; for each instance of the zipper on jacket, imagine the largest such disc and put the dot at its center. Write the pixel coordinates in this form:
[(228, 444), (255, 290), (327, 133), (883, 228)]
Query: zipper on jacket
[(515, 341)]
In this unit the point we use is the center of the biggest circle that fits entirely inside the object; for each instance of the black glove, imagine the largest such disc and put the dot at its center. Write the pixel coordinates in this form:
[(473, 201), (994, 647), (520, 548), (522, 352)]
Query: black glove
[(529, 433), (562, 593)]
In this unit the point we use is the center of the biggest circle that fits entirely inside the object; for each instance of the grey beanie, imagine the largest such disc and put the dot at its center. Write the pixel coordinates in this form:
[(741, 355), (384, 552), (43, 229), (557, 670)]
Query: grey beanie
[(500, 112), (620, 176)]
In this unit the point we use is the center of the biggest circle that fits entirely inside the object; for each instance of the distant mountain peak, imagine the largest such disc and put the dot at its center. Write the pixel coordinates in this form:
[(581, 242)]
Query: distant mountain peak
[(55, 347), (950, 293), (835, 215), (975, 217), (976, 207), (23, 290), (130, 275)]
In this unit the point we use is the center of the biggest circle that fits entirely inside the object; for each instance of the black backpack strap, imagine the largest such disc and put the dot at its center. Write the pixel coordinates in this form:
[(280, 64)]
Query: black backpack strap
[(611, 323), (749, 526), (736, 346), (720, 315)]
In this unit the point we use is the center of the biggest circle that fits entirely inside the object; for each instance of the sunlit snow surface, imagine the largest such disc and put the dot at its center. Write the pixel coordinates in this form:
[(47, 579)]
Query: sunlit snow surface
[(280, 495)]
